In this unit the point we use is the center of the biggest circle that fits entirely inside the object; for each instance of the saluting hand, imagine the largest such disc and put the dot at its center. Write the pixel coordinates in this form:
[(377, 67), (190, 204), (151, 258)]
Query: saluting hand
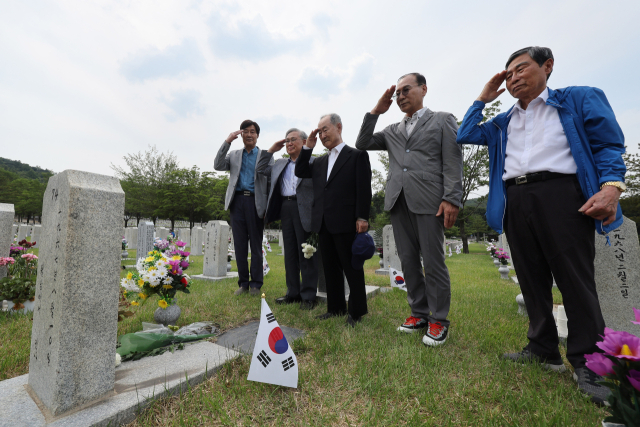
[(384, 102), (232, 136), (277, 146), (312, 139), (492, 90)]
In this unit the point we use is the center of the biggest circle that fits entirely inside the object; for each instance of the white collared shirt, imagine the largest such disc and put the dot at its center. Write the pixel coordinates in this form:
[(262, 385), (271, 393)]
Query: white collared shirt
[(536, 141), (289, 179), (333, 156), (410, 122)]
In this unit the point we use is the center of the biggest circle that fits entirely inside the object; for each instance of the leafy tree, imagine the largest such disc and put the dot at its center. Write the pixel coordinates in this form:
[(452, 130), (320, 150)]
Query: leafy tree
[(632, 178)]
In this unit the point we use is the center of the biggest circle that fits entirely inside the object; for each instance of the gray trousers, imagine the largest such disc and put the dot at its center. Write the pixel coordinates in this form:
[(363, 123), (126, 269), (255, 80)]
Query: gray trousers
[(294, 261), (428, 294)]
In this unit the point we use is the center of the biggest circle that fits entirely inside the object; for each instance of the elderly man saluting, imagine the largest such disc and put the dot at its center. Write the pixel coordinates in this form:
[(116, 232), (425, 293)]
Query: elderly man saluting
[(556, 172), (423, 195), (290, 201), (341, 203)]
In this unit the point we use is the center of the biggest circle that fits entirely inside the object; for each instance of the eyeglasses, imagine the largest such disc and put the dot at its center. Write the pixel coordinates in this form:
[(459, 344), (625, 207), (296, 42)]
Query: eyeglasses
[(294, 139), (405, 91)]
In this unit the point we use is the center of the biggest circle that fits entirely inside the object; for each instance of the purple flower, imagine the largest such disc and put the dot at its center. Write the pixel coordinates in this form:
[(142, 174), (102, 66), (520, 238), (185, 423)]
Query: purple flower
[(180, 243), (620, 344), (637, 314), (634, 379), (184, 254), (175, 267), (184, 264), (599, 363)]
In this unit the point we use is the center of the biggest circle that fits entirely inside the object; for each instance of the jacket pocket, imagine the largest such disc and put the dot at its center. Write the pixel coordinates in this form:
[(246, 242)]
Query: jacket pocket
[(428, 176)]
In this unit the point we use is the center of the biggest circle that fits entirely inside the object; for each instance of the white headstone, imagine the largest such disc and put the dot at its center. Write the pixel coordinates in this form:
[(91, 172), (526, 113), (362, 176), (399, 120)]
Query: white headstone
[(75, 326), (145, 239), (23, 230), (185, 235), (36, 235), (389, 249), (14, 231), (196, 241), (216, 244), (133, 238), (6, 232)]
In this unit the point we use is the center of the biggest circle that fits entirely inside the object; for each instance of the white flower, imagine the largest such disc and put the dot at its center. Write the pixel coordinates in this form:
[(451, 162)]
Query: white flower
[(154, 282), (167, 281), (129, 285), (140, 265), (162, 272), (308, 255), (118, 359), (304, 245)]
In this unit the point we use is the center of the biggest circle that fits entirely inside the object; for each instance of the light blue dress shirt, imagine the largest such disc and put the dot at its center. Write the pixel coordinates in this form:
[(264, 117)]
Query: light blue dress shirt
[(247, 171)]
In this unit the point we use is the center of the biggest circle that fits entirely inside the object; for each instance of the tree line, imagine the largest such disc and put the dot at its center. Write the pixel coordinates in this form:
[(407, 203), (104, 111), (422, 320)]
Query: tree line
[(23, 186)]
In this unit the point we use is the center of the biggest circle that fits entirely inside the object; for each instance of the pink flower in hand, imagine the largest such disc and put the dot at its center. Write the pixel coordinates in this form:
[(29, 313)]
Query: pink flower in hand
[(599, 363), (620, 344)]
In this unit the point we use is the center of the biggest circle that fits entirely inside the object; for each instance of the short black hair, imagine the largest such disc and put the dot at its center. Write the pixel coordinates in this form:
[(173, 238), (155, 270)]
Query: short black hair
[(537, 53), (248, 123), (419, 78)]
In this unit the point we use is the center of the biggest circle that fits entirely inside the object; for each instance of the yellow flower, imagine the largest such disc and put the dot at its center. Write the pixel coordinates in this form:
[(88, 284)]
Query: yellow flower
[(135, 303), (149, 259), (140, 282), (152, 268), (143, 296), (150, 252), (176, 258), (163, 304), (125, 294), (167, 286), (129, 276)]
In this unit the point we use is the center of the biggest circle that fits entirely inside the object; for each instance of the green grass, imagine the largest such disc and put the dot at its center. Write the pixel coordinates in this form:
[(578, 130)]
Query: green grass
[(370, 375)]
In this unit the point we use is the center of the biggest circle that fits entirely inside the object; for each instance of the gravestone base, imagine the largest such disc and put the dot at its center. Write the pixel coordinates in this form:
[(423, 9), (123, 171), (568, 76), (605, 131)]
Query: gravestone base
[(382, 272), (370, 290), (138, 383), (230, 275), (243, 338)]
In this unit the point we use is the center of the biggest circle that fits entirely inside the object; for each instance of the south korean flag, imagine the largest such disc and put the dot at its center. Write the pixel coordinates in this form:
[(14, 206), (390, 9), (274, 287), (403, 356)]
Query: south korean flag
[(265, 264), (396, 279), (273, 361)]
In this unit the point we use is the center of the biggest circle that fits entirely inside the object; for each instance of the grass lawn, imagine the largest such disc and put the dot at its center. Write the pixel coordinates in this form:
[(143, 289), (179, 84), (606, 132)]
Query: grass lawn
[(370, 375)]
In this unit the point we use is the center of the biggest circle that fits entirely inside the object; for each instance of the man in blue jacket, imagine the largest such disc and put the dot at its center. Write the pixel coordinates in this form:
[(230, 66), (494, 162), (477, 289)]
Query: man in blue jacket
[(556, 171)]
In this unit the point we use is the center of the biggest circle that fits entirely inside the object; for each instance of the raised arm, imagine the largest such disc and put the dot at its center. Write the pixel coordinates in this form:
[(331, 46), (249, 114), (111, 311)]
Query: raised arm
[(304, 168), (222, 161), (472, 129)]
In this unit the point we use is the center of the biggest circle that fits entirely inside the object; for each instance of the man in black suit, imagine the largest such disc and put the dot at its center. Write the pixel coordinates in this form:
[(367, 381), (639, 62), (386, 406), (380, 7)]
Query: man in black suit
[(341, 202)]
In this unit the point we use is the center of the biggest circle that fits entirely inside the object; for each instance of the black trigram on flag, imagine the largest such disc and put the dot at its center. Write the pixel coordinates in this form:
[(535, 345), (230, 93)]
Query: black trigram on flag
[(288, 363), (264, 359), (271, 317)]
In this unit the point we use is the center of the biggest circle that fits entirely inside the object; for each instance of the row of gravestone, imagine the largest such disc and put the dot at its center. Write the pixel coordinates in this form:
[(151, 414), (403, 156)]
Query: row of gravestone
[(617, 271), (24, 230)]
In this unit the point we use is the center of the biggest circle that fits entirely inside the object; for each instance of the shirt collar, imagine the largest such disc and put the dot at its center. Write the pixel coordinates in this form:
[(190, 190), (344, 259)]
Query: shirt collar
[(418, 113), (254, 151), (338, 148), (544, 95)]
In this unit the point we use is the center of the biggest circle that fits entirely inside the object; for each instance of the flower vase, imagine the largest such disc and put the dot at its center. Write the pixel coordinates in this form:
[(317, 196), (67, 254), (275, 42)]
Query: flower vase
[(496, 262), (125, 254), (504, 272), (228, 267), (167, 316)]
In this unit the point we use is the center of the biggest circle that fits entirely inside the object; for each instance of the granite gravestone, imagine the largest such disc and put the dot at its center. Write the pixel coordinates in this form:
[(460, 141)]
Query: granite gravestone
[(36, 234), (145, 239), (23, 230), (14, 231), (75, 322), (163, 233), (196, 241), (617, 274), (185, 235), (389, 251), (6, 233), (133, 238), (216, 244)]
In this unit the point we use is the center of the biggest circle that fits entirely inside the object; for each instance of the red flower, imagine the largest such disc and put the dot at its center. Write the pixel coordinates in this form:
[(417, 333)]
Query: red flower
[(184, 281)]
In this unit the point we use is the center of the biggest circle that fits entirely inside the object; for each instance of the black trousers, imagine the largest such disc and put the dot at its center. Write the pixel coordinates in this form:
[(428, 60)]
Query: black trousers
[(550, 239), (336, 261), (295, 263), (247, 228)]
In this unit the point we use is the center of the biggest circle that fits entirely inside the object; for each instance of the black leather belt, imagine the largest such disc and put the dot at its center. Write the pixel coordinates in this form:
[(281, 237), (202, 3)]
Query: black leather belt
[(244, 193), (534, 177), (289, 197)]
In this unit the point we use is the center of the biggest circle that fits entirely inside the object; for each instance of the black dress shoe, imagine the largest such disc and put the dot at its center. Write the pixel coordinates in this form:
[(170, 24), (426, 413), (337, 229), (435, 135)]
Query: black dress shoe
[(287, 300), (352, 321), (307, 304), (328, 316)]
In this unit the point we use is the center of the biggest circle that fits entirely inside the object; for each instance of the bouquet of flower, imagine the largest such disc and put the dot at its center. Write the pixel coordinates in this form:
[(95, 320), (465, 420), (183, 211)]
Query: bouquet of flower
[(502, 256), (620, 367), (124, 244), (20, 283), (310, 246), (161, 273)]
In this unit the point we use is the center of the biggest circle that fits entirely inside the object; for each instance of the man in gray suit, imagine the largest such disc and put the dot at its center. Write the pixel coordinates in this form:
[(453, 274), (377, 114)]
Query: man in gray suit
[(247, 200), (423, 193), (290, 200)]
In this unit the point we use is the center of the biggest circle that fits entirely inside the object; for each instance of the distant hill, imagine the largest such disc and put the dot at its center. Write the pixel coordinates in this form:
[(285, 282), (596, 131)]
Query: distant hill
[(477, 203), (24, 170)]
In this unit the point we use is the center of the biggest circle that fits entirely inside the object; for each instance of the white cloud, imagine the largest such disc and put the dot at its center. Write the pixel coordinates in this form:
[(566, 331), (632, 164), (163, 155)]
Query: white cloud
[(184, 104), (173, 61)]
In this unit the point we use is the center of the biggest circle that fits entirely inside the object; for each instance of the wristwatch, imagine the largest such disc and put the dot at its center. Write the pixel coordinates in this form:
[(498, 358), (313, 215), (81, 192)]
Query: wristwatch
[(618, 184)]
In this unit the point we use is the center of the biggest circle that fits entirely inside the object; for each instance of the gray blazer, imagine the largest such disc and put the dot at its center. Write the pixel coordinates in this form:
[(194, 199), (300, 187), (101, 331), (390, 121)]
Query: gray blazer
[(427, 165), (233, 162), (304, 190)]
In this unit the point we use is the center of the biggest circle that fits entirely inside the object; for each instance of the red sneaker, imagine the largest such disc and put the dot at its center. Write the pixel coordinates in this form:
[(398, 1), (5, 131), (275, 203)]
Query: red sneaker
[(412, 324), (436, 334)]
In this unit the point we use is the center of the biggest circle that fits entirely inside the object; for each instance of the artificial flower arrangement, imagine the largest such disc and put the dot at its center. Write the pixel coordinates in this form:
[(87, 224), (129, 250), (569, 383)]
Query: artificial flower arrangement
[(20, 284), (491, 248), (310, 246), (620, 367), (161, 273), (124, 244), (502, 256)]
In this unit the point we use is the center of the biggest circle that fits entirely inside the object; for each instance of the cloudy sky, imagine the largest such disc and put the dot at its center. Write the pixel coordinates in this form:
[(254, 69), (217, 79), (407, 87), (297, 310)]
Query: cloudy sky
[(83, 83)]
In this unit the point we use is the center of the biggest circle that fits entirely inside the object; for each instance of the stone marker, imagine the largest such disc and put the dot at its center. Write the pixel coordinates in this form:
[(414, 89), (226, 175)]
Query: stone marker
[(36, 235), (145, 239), (618, 277), (389, 251), (185, 235), (14, 230), (75, 323), (23, 230), (133, 238), (6, 235), (196, 241), (216, 245), (163, 233)]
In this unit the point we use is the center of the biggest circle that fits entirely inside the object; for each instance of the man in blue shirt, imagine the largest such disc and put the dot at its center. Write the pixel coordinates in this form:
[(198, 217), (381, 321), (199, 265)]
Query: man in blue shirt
[(555, 172), (246, 199)]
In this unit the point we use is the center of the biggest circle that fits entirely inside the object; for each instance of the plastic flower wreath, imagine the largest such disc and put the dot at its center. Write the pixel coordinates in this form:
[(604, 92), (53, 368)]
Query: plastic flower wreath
[(620, 367), (502, 256), (159, 274)]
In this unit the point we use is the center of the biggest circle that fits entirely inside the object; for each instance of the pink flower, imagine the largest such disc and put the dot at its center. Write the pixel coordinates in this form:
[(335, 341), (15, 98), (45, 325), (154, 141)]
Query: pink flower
[(180, 243), (637, 314), (599, 363), (29, 257), (620, 344), (6, 261), (634, 379)]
